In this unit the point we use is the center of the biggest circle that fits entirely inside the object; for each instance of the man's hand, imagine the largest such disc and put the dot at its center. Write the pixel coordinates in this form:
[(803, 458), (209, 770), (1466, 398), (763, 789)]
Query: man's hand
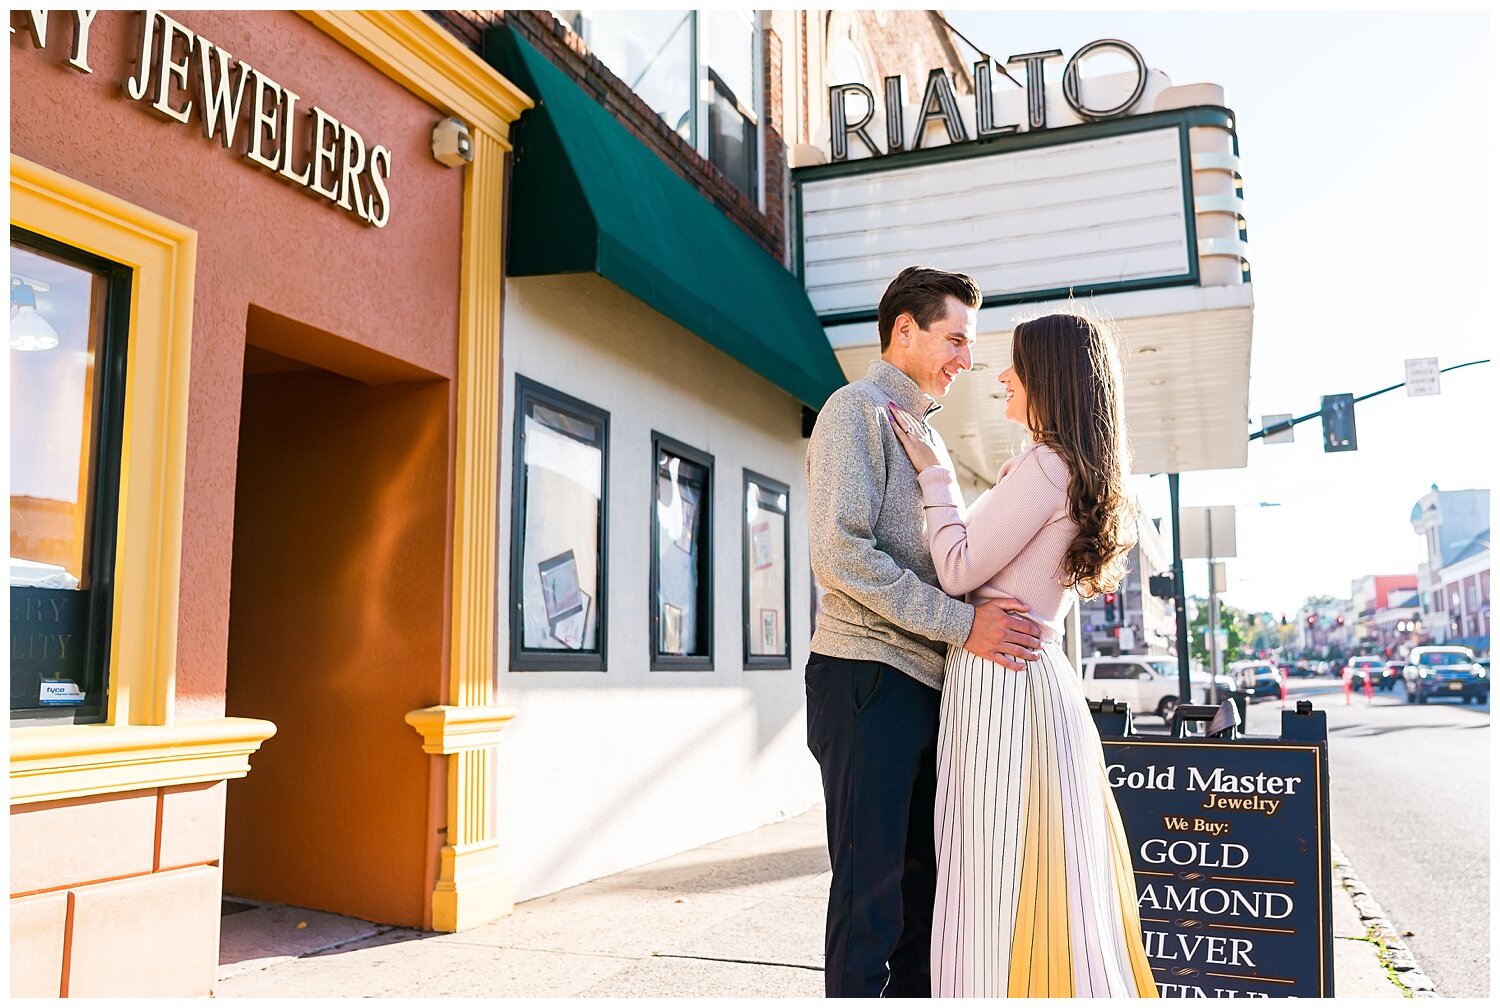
[(1002, 634)]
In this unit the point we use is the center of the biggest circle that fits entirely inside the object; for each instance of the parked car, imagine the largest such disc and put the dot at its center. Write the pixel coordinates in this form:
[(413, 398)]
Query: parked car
[(1301, 670), (1258, 678), (1445, 671), (1148, 683), (1362, 667), (1390, 676)]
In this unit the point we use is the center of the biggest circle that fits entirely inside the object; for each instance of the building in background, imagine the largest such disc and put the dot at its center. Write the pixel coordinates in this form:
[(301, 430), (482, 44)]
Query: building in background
[(1453, 580), (1325, 629), (1130, 620), (1379, 609), (253, 477)]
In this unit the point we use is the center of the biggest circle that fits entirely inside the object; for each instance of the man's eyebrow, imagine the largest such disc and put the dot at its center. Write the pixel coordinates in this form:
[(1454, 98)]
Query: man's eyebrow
[(962, 335)]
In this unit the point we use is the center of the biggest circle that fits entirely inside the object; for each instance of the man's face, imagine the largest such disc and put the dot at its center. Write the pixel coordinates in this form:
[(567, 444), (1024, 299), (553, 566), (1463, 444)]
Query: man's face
[(935, 356)]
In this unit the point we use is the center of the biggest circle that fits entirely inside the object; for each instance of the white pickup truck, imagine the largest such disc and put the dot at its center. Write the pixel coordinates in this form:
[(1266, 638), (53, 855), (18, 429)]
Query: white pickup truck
[(1148, 683)]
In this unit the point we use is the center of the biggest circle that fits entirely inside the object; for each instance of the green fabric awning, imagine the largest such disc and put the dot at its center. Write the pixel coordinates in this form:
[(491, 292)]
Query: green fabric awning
[(586, 196)]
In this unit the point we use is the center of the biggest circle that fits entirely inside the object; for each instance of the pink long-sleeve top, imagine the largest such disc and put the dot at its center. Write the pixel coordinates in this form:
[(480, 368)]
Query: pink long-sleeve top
[(1010, 544)]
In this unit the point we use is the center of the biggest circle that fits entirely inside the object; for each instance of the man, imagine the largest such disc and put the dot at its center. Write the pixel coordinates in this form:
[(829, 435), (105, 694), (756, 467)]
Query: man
[(875, 672)]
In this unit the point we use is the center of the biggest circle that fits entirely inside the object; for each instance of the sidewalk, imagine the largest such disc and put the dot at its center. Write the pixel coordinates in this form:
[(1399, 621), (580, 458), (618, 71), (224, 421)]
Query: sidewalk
[(742, 917)]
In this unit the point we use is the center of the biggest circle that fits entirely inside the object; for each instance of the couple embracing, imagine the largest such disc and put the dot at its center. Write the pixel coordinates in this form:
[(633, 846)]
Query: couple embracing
[(975, 843)]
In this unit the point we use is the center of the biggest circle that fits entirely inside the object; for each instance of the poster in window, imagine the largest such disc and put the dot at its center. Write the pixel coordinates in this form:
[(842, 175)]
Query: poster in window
[(689, 503), (770, 632), (561, 595), (762, 549), (570, 631), (671, 629)]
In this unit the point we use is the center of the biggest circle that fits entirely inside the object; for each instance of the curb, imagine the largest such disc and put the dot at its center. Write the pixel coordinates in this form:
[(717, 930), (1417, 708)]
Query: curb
[(1394, 955)]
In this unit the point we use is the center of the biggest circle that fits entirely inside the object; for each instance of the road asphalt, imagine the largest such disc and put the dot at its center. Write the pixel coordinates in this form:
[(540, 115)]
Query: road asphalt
[(742, 917)]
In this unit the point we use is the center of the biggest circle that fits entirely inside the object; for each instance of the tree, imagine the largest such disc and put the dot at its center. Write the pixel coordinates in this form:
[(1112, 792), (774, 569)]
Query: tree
[(1231, 621)]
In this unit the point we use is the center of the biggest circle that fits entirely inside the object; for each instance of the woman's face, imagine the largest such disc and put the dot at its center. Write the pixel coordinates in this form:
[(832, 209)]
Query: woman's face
[(1015, 396)]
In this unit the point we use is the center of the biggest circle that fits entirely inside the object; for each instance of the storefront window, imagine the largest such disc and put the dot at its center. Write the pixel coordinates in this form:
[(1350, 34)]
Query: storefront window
[(682, 557), (557, 533), (767, 587), (661, 54), (729, 44), (67, 371), (651, 51)]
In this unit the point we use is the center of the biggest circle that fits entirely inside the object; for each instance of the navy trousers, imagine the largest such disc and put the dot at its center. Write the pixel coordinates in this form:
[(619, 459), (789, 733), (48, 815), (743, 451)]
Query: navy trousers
[(873, 730)]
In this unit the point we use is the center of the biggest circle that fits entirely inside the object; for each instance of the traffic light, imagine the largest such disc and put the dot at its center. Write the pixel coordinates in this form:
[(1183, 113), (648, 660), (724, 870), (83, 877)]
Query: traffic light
[(1312, 621), (1109, 607), (1283, 619), (1338, 423), (1163, 586), (1339, 620)]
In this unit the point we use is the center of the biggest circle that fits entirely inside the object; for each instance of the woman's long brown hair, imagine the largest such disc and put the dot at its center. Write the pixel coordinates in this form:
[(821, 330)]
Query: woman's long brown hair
[(1070, 369)]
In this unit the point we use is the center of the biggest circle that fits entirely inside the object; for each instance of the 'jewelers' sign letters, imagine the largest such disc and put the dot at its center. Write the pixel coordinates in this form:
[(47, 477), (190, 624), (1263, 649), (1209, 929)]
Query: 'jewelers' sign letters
[(183, 76)]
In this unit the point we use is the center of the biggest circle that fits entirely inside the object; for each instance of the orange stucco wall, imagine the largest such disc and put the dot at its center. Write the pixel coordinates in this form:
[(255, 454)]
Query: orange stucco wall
[(338, 618), (261, 240)]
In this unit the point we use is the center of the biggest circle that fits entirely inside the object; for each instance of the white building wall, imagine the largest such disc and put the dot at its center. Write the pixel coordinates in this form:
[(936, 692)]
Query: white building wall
[(602, 771)]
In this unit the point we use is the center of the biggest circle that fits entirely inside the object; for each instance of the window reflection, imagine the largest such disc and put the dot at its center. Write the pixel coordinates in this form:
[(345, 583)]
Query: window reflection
[(57, 320)]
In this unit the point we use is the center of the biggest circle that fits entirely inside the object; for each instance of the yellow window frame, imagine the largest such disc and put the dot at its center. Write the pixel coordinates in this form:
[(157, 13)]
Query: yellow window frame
[(139, 745)]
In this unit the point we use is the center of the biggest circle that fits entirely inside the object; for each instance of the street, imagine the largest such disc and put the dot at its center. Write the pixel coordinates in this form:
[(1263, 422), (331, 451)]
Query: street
[(1410, 808)]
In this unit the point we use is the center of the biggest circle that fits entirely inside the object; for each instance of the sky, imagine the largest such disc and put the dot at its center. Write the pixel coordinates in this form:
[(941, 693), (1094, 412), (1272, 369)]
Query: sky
[(1364, 150)]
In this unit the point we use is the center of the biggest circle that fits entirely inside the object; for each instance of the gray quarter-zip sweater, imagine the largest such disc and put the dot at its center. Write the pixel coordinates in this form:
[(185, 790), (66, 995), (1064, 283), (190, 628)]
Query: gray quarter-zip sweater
[(869, 537)]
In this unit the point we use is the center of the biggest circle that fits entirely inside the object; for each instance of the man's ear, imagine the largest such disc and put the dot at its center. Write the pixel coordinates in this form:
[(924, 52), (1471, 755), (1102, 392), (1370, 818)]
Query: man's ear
[(903, 328)]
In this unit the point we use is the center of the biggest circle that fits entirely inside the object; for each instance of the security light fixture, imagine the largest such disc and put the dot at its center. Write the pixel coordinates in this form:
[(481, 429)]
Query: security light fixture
[(451, 143)]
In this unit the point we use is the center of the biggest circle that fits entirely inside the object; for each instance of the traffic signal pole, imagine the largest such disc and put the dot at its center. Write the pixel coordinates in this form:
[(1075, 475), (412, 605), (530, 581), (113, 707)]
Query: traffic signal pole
[(1289, 424), (1179, 591)]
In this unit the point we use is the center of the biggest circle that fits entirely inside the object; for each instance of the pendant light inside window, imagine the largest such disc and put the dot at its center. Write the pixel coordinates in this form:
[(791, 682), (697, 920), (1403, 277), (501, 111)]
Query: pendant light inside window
[(28, 329)]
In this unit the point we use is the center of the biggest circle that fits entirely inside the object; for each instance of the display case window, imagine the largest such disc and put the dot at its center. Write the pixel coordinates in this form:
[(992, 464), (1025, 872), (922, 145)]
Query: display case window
[(558, 543), (69, 318), (682, 613), (767, 588)]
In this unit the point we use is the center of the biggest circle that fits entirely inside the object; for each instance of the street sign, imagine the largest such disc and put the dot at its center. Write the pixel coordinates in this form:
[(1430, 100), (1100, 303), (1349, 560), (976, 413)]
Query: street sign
[(1195, 531), (1285, 436), (1230, 846), (1127, 638), (1422, 376)]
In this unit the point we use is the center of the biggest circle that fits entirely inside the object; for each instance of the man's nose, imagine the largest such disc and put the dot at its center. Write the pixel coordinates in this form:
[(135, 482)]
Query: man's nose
[(966, 358)]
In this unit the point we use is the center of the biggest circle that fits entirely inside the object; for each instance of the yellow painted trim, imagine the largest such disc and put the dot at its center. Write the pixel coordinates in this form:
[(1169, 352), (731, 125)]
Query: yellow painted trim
[(420, 55), (446, 730), (413, 50), (55, 761), (162, 255)]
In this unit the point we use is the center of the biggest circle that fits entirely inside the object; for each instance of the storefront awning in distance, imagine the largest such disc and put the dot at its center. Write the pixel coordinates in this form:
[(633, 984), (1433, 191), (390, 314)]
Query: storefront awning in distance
[(589, 197)]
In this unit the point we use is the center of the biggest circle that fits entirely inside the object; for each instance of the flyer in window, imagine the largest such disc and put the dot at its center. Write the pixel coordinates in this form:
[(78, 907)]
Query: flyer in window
[(689, 512), (570, 631), (770, 632), (671, 629), (561, 594), (761, 549)]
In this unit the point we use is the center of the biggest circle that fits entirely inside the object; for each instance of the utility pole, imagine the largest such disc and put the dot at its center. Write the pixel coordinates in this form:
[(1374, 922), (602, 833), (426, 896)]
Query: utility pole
[(1179, 589)]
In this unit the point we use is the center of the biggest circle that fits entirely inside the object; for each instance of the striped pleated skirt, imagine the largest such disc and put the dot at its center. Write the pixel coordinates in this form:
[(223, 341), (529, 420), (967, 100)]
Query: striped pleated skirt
[(1036, 895)]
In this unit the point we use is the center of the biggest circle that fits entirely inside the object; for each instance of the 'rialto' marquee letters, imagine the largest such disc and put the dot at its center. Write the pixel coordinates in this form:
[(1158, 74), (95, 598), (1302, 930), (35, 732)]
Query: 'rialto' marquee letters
[(940, 104)]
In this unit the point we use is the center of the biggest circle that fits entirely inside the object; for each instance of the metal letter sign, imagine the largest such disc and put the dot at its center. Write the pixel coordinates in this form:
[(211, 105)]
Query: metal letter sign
[(1338, 423), (1229, 841), (1422, 376)]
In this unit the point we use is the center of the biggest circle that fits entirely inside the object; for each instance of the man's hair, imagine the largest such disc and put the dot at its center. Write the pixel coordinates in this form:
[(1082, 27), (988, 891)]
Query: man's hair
[(923, 293)]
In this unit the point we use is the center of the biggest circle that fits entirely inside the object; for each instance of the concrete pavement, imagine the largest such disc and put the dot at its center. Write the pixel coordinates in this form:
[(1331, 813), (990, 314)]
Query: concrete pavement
[(742, 917)]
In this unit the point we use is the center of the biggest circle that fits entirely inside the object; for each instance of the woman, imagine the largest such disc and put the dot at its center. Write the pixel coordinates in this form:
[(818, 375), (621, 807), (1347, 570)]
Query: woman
[(1036, 895)]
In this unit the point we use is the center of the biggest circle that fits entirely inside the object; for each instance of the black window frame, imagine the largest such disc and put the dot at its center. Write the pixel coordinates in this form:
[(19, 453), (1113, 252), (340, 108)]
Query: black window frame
[(522, 658), (758, 661), (660, 662), (107, 427)]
